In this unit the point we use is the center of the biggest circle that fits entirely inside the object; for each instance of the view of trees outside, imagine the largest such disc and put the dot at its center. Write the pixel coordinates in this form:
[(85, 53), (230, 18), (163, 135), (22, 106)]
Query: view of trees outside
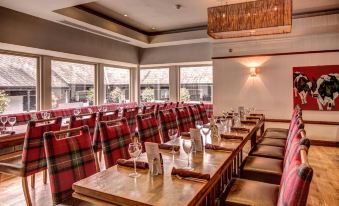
[(117, 84), (72, 84), (17, 83), (196, 84), (154, 84)]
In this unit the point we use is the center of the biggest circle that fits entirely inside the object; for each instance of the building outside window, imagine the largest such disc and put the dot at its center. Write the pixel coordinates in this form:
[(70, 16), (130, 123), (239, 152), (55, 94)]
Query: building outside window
[(117, 84), (18, 83), (72, 84), (196, 84), (154, 85)]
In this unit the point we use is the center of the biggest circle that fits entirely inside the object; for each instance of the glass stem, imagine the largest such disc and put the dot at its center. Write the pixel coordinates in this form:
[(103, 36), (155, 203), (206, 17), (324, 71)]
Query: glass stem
[(135, 166), (188, 160)]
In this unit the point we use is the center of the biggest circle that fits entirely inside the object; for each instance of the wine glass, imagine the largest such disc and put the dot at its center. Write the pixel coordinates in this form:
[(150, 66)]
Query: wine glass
[(76, 111), (173, 134), (104, 109), (187, 146), (3, 121), (46, 115), (90, 110), (199, 124), (134, 150), (12, 121)]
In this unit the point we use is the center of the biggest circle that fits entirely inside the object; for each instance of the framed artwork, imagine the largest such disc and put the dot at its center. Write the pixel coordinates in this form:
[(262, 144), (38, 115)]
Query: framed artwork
[(316, 87)]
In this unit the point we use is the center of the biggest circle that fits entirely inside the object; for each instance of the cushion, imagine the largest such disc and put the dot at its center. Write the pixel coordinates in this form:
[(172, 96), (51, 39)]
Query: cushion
[(249, 192), (262, 169), (272, 142), (167, 121), (268, 151)]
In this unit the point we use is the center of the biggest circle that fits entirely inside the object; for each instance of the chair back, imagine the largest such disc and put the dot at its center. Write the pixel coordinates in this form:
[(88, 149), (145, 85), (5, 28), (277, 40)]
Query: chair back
[(167, 121), (102, 116), (148, 129), (69, 160), (203, 113), (148, 109), (292, 148), (33, 153), (83, 120), (116, 137), (194, 114), (130, 114), (183, 119), (296, 180)]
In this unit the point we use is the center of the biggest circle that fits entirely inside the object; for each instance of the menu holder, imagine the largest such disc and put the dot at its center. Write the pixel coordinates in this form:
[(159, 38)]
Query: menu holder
[(229, 136), (197, 138), (240, 129), (154, 158)]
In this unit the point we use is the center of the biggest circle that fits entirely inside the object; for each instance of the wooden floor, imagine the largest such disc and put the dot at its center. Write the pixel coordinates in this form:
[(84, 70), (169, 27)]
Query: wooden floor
[(324, 188)]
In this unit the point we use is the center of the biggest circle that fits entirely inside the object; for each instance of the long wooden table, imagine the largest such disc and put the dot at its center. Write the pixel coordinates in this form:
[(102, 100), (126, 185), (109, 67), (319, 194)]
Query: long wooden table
[(114, 187)]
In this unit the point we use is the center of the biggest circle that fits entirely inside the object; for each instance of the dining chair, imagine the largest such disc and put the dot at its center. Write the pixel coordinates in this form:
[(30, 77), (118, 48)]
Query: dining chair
[(33, 159), (194, 114), (183, 119), (130, 114), (148, 129), (167, 120), (69, 160), (76, 121), (203, 113), (115, 138), (148, 109)]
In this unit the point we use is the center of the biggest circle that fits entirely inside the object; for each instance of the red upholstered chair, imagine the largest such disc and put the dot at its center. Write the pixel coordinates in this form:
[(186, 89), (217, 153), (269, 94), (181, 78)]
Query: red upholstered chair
[(82, 120), (130, 114), (183, 119), (33, 159), (148, 109), (194, 114), (69, 160), (167, 120), (203, 113), (115, 136), (148, 128)]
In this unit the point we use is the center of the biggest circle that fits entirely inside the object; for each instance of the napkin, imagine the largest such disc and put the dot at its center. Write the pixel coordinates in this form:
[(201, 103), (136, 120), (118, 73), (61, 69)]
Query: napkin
[(185, 173), (130, 163), (169, 147), (217, 147), (229, 136), (239, 129)]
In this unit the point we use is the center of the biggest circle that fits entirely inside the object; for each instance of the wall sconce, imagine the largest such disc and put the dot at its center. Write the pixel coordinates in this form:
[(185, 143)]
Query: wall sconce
[(253, 72)]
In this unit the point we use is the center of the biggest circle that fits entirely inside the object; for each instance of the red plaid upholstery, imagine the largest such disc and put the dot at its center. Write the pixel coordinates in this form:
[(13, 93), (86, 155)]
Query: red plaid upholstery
[(209, 109), (148, 109), (33, 153), (194, 114), (82, 120), (87, 109), (295, 183), (203, 113), (116, 137), (130, 114), (62, 112), (102, 116), (68, 160), (148, 128), (183, 119), (167, 121)]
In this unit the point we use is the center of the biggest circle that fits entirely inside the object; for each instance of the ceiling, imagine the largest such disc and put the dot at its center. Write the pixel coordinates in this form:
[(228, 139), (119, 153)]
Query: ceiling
[(149, 23)]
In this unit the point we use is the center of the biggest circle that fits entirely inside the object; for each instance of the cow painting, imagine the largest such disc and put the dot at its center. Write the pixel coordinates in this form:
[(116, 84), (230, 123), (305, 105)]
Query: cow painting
[(326, 89), (302, 86)]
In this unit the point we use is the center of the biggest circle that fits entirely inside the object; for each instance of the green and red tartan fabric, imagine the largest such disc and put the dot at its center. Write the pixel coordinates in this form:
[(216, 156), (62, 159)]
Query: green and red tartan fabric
[(194, 114), (202, 112), (102, 116), (115, 141), (148, 129), (183, 119), (33, 153), (68, 160), (148, 109), (130, 114), (82, 120), (295, 183), (167, 121)]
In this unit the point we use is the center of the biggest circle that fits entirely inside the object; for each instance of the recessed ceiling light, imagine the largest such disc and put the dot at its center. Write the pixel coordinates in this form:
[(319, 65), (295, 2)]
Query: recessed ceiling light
[(125, 15), (153, 28)]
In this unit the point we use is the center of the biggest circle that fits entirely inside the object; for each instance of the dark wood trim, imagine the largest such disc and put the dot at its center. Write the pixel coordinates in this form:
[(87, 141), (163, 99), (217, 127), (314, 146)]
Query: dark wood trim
[(277, 54), (324, 143), (305, 121), (324, 12)]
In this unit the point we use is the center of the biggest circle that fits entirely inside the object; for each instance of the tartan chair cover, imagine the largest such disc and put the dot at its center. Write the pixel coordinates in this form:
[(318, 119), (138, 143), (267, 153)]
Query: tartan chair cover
[(209, 109), (202, 112), (167, 121), (183, 119), (82, 120), (148, 109), (62, 112), (69, 160), (148, 129), (116, 137), (102, 116), (130, 114), (194, 114), (33, 153), (295, 183)]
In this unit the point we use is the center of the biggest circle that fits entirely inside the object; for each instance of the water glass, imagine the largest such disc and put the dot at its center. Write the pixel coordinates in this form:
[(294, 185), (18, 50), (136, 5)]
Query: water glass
[(199, 124), (134, 150), (76, 111), (12, 121), (173, 134), (46, 115), (90, 110), (4, 121), (187, 145)]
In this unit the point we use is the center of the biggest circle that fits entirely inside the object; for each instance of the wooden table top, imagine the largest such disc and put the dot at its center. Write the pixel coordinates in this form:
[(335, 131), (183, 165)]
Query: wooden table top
[(116, 187)]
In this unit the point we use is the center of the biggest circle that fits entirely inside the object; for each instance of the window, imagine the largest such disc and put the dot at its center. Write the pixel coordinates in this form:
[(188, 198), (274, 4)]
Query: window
[(72, 84), (17, 83), (117, 83), (154, 85), (196, 84)]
